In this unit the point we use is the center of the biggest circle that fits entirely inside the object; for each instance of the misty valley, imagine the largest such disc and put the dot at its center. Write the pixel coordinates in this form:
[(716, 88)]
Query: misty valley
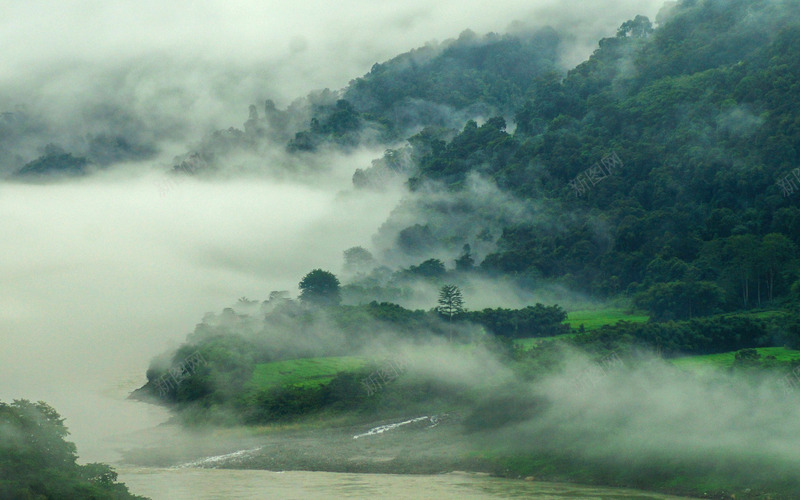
[(554, 257)]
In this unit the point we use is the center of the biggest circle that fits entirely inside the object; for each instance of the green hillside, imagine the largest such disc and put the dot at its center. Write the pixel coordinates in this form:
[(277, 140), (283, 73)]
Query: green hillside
[(308, 372)]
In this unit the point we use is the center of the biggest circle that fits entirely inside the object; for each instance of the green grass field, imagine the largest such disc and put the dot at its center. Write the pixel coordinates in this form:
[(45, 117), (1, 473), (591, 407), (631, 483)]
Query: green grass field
[(308, 372), (725, 359), (594, 319), (591, 320)]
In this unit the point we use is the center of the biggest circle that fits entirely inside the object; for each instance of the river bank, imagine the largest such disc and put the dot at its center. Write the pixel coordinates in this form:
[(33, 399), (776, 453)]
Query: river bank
[(421, 445)]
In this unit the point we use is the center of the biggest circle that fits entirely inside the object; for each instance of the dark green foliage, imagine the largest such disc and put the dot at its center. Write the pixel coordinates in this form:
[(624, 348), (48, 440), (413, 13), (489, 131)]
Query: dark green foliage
[(37, 462), (482, 149), (702, 113), (481, 73), (434, 86), (232, 343), (638, 27), (416, 240), (697, 336), (394, 316), (680, 300), (432, 269), (320, 288), (793, 331), (281, 403), (339, 123), (532, 321), (465, 262), (344, 392), (227, 364)]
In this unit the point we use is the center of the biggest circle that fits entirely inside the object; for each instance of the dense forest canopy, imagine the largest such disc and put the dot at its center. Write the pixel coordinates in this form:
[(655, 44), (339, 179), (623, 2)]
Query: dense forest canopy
[(699, 114)]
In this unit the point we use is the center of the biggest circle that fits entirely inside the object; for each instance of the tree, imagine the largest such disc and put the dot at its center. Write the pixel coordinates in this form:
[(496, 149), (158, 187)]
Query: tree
[(451, 302), (320, 288), (431, 269), (777, 251), (465, 262), (358, 260), (680, 299), (639, 27)]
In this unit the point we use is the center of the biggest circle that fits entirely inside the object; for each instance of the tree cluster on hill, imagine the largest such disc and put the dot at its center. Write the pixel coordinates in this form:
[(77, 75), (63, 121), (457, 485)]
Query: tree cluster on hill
[(214, 368)]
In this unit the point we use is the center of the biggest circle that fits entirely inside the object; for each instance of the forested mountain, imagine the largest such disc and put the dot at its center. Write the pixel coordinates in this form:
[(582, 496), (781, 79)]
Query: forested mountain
[(690, 126)]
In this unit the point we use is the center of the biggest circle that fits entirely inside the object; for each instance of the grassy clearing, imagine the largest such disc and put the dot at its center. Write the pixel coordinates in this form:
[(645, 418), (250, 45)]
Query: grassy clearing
[(594, 319), (307, 372), (591, 320), (725, 360)]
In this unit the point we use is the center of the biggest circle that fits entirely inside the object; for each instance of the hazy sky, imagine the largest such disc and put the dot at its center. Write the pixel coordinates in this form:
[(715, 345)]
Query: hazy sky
[(38, 34), (209, 59)]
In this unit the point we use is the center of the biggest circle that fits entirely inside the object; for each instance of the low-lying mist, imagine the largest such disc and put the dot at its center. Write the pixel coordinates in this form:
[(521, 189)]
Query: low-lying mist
[(102, 274), (663, 423)]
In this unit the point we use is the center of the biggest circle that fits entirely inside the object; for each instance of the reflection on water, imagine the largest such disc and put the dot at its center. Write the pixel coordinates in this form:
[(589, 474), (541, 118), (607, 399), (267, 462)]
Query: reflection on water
[(219, 484)]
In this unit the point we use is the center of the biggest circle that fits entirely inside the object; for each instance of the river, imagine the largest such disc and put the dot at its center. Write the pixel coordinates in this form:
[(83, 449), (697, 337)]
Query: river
[(218, 484), (198, 483)]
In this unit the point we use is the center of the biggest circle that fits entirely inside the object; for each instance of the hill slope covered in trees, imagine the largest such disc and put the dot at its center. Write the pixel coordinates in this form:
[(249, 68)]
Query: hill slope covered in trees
[(664, 164)]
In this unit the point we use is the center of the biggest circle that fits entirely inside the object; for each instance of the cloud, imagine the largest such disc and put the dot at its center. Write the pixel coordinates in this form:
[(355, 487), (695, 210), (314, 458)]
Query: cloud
[(653, 418), (165, 74), (101, 275)]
